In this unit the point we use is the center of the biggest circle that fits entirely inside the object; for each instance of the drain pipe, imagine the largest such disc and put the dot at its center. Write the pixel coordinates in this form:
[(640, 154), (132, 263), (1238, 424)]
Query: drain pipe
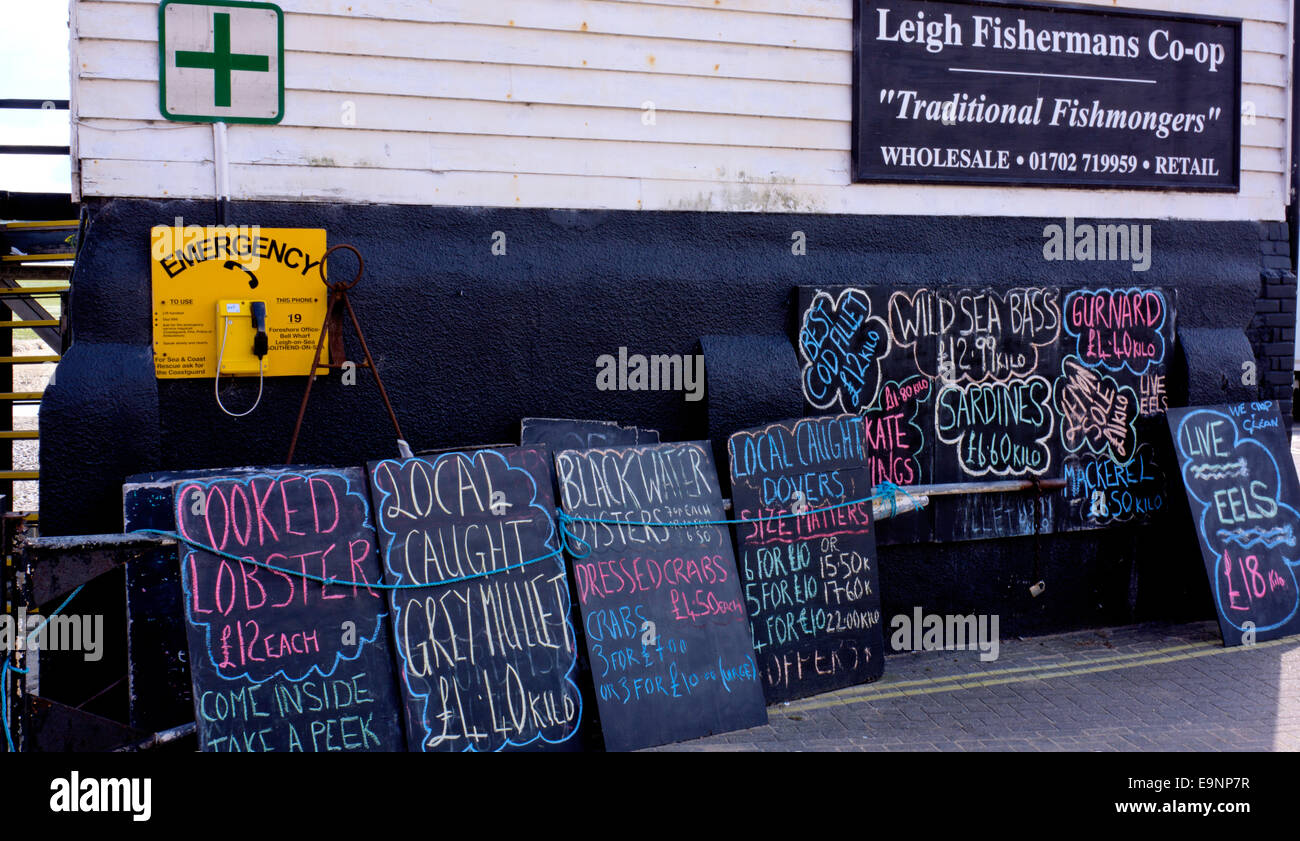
[(221, 169)]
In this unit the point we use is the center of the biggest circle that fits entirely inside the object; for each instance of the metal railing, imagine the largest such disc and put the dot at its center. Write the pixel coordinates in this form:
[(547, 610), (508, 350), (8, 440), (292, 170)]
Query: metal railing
[(35, 267)]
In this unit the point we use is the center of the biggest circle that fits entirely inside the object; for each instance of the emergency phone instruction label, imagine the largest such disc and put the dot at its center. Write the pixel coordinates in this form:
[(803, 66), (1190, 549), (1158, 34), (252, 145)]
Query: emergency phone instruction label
[(195, 267)]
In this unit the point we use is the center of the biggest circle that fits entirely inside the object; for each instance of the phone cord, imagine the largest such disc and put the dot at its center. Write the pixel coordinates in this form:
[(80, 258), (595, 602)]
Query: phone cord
[(216, 381)]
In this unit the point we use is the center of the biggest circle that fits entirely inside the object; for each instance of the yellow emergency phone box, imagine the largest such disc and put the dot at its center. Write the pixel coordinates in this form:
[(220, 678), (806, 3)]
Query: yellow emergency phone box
[(238, 324), (192, 268)]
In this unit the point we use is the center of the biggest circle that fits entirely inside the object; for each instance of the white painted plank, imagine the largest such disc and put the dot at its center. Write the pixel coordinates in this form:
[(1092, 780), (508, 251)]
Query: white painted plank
[(1257, 159), (1266, 10), (130, 21), (600, 88), (193, 180), (1263, 37), (1262, 10), (1266, 132), (1264, 69), (1273, 10), (1269, 101), (1263, 62), (138, 102), (352, 149), (308, 179), (138, 61), (421, 9), (717, 24), (1262, 32), (74, 157), (121, 140), (841, 9), (145, 179), (367, 41), (505, 82), (981, 201)]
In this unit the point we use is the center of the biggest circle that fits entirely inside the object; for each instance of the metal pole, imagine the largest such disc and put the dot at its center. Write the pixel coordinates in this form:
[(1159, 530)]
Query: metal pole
[(160, 738), (1007, 486)]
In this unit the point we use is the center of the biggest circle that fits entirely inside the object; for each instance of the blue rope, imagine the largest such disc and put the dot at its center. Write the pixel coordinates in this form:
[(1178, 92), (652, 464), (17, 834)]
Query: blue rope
[(55, 612), (569, 542), (338, 581), (885, 489), (8, 667), (4, 700)]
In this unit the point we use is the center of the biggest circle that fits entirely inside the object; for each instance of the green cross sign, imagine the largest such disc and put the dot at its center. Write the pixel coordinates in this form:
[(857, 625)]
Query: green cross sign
[(221, 61)]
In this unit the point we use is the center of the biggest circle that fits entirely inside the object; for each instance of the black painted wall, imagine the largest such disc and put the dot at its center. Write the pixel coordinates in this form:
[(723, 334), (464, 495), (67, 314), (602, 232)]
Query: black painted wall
[(468, 343), (1272, 332)]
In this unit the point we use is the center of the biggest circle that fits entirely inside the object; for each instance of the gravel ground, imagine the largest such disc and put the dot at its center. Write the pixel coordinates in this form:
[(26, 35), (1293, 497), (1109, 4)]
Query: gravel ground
[(27, 453)]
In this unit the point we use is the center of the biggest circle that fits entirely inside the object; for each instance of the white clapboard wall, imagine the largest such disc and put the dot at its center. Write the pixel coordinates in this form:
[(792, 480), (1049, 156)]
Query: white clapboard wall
[(539, 103)]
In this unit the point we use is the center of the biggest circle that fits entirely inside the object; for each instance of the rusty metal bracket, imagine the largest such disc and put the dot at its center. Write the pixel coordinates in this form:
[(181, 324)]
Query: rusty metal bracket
[(56, 727), (58, 565), (333, 328)]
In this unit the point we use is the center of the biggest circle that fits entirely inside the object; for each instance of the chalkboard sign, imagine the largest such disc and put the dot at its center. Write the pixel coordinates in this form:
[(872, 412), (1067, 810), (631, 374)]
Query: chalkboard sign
[(1242, 489), (280, 662), (997, 358), (662, 606), (1029, 94), (1110, 400), (960, 385), (568, 434), (158, 665), (484, 640), (811, 586)]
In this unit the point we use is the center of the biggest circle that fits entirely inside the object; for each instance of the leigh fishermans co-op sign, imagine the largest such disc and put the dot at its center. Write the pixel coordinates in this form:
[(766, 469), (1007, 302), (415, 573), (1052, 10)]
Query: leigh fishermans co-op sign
[(221, 61), (1020, 93)]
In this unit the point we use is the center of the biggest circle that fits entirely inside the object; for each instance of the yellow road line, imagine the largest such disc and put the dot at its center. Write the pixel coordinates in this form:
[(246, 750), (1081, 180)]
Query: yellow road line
[(933, 686), (972, 676), (63, 223)]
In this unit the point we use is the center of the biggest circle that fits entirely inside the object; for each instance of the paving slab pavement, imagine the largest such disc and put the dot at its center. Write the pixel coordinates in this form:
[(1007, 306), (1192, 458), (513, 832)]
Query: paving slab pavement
[(1149, 687)]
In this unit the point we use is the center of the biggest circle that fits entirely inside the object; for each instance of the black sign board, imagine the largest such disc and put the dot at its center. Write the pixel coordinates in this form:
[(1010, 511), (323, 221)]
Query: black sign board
[(1242, 490), (572, 434), (1110, 400), (280, 661), (1029, 94), (811, 585), (662, 606), (569, 434), (484, 639), (160, 695), (962, 385)]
